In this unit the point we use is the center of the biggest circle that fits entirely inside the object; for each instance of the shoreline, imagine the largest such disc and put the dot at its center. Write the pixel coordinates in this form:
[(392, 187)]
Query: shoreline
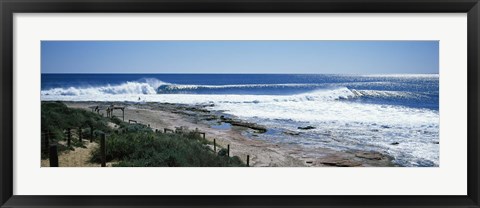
[(238, 134)]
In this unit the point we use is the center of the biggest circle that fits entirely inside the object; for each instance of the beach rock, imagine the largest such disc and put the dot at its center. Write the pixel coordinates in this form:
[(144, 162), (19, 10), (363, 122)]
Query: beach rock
[(394, 143), (369, 155), (209, 117), (341, 163), (187, 113), (293, 133), (254, 126), (197, 109), (306, 127)]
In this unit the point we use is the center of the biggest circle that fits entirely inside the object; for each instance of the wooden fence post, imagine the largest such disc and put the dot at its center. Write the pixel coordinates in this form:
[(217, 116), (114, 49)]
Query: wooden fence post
[(46, 141), (69, 137), (248, 160), (103, 150), (91, 133), (228, 150), (80, 134), (53, 156), (214, 146)]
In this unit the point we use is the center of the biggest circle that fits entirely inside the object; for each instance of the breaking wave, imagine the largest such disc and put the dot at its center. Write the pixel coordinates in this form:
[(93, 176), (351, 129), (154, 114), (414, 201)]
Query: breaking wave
[(144, 87), (155, 86)]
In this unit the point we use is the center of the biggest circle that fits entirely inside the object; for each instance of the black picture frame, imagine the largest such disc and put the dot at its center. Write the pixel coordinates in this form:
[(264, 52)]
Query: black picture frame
[(9, 7)]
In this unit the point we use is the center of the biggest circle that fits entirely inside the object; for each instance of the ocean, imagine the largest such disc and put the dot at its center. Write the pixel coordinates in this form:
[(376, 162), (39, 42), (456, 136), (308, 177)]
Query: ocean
[(394, 114)]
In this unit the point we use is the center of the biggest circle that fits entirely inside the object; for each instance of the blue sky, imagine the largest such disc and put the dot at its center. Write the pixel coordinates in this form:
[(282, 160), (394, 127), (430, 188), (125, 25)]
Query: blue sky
[(317, 57)]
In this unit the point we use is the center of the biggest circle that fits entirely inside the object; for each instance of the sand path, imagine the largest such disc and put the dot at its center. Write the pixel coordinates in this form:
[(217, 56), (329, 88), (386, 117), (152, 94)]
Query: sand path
[(80, 157)]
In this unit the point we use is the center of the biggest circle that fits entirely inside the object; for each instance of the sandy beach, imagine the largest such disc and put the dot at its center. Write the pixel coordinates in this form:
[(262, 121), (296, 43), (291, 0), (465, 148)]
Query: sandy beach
[(240, 136)]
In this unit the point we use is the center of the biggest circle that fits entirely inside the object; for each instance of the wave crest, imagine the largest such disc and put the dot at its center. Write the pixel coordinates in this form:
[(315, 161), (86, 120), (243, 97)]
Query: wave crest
[(145, 86), (178, 88)]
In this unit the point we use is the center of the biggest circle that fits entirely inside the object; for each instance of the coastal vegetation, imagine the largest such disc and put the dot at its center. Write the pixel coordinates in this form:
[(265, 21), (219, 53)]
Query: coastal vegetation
[(57, 119), (129, 145)]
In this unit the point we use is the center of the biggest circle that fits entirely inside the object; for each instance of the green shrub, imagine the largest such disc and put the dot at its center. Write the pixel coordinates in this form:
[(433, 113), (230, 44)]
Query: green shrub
[(117, 121), (222, 152), (146, 149), (56, 117), (135, 127)]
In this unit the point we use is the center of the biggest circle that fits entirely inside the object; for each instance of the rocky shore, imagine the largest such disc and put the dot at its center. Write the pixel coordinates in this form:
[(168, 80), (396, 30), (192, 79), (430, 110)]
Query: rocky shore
[(228, 130)]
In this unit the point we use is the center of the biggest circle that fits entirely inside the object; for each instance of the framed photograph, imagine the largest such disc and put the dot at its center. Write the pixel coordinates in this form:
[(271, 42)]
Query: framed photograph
[(266, 103)]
